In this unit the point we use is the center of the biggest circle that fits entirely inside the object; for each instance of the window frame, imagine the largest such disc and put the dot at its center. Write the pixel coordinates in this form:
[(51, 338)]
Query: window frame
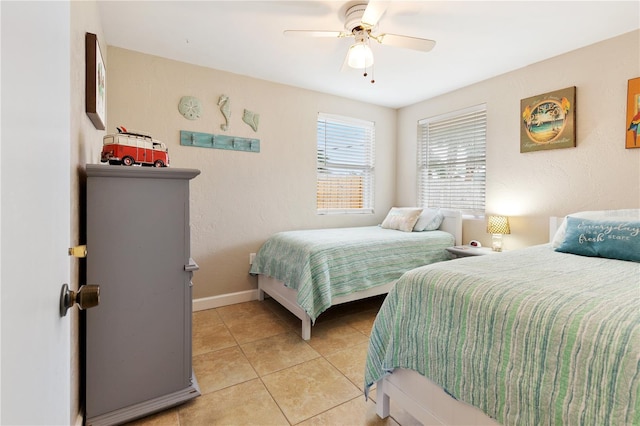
[(476, 171), (363, 166)]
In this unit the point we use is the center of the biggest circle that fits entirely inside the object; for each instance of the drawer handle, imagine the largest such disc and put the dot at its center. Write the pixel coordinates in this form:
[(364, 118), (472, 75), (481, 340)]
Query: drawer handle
[(191, 266)]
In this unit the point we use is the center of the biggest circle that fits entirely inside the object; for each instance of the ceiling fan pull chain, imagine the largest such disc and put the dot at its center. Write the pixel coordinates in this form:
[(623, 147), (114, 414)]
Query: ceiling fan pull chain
[(373, 64)]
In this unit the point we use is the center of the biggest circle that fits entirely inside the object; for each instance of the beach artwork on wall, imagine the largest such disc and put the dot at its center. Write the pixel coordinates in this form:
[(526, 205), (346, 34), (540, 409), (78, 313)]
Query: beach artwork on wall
[(633, 114), (548, 121)]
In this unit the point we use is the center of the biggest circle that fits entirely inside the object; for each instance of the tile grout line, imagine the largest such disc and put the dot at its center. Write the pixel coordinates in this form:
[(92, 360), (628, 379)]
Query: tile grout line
[(288, 329)]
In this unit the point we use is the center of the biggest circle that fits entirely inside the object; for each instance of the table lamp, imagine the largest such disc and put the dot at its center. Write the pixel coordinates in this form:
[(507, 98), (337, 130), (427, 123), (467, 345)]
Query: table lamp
[(497, 226)]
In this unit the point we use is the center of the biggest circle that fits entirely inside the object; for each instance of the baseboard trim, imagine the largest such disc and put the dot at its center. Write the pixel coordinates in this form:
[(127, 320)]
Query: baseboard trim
[(224, 300)]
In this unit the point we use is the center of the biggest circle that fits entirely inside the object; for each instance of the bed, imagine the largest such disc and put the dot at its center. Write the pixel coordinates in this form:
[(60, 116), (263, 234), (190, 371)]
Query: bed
[(548, 334), (309, 271)]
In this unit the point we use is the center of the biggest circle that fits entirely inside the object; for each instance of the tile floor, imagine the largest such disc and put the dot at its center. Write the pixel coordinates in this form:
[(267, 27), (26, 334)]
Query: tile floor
[(253, 368)]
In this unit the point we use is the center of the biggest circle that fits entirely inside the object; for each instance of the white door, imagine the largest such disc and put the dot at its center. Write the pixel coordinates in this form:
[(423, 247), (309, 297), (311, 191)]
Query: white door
[(35, 214)]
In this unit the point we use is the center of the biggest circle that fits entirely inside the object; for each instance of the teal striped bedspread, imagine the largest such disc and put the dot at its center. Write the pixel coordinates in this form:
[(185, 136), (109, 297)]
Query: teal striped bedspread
[(322, 264), (531, 337)]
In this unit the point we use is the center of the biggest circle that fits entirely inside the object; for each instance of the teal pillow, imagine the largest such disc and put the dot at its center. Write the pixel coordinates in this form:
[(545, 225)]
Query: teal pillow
[(602, 238)]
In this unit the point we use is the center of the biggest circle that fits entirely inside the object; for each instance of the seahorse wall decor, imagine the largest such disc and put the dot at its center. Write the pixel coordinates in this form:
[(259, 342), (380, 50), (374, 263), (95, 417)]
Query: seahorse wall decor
[(252, 119), (225, 108)]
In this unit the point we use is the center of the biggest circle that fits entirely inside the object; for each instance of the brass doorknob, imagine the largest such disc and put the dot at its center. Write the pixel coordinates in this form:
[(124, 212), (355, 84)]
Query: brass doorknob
[(87, 297)]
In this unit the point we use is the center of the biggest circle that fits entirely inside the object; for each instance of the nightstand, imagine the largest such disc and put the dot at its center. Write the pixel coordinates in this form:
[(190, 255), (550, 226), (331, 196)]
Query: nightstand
[(467, 250)]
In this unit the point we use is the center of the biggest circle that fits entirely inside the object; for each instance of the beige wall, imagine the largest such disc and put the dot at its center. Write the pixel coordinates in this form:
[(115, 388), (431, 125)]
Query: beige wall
[(598, 174), (86, 143), (241, 198)]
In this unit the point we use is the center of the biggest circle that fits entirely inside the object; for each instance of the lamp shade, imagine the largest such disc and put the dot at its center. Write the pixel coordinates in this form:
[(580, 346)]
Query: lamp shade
[(360, 56), (498, 225)]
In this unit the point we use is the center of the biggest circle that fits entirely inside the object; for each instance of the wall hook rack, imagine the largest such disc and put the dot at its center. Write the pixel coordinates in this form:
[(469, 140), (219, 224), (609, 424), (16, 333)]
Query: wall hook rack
[(208, 140)]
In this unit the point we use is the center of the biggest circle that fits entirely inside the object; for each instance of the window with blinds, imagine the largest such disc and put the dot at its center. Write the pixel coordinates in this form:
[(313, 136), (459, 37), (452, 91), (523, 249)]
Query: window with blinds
[(451, 160), (345, 165)]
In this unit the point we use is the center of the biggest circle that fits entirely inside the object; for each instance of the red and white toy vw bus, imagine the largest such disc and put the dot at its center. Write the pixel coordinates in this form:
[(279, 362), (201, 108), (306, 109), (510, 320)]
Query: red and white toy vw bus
[(131, 148)]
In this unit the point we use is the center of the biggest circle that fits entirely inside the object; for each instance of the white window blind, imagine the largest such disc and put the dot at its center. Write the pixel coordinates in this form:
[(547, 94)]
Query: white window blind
[(451, 160), (345, 165)]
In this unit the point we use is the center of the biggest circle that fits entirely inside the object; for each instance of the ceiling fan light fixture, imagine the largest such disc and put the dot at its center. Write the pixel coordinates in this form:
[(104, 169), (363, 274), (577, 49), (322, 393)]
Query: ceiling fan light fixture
[(360, 56), (361, 22)]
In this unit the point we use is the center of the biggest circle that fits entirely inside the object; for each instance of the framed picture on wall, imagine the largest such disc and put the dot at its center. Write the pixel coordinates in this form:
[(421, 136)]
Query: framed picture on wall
[(633, 114), (95, 82), (548, 121)]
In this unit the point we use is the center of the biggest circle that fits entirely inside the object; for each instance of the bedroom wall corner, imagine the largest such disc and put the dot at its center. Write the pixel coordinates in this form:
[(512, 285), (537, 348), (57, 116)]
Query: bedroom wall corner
[(241, 198), (530, 187)]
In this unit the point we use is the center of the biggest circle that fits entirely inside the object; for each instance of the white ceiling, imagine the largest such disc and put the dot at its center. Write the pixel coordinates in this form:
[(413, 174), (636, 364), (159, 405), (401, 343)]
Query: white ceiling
[(476, 40)]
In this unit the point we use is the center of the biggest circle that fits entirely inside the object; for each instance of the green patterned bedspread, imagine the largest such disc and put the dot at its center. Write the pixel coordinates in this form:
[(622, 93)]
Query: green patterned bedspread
[(531, 337), (325, 263)]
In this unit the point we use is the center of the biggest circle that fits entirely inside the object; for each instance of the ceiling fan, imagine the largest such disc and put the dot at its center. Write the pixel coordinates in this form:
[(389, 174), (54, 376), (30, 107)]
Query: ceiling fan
[(361, 22)]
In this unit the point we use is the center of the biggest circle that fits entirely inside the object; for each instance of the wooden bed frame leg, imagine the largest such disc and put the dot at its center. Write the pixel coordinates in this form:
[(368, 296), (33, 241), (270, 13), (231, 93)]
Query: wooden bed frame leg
[(306, 328), (383, 401), (260, 295)]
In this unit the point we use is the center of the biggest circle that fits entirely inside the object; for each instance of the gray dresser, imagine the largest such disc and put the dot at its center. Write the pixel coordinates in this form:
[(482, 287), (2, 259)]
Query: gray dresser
[(138, 339)]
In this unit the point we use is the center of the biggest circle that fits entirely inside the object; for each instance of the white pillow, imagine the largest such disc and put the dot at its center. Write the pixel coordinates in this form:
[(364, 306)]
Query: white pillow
[(624, 214), (429, 220), (401, 218)]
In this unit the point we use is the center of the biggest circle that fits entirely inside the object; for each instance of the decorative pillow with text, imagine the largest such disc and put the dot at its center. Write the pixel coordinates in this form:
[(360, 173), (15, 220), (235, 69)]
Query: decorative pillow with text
[(616, 215), (613, 239)]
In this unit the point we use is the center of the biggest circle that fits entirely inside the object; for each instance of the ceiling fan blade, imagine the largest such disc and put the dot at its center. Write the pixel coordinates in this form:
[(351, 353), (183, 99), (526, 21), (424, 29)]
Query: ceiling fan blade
[(374, 11), (415, 43), (314, 33)]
